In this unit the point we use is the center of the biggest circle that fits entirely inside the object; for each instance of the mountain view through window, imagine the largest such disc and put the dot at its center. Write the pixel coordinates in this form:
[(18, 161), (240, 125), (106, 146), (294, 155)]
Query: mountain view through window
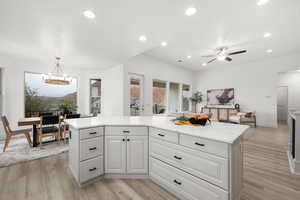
[(41, 97)]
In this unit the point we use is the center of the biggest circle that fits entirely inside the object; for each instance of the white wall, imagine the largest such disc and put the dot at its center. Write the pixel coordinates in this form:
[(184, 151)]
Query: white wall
[(292, 81), (255, 84), (152, 69), (112, 91), (13, 86)]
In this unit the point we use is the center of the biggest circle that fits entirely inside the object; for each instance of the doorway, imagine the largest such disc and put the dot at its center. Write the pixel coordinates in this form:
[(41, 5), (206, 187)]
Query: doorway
[(282, 104), (136, 85)]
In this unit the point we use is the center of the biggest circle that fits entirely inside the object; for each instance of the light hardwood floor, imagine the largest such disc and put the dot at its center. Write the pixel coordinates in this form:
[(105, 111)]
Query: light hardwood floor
[(266, 176), (266, 171)]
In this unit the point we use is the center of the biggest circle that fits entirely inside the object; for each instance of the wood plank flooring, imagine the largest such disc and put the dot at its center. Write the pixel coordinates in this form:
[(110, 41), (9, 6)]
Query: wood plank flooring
[(266, 170), (266, 176)]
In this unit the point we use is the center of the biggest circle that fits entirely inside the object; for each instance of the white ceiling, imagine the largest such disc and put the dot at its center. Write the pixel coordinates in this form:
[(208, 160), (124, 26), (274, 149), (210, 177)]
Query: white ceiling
[(41, 30)]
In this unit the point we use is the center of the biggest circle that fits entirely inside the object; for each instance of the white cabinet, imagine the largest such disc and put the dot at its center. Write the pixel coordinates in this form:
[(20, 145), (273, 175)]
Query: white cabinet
[(126, 153), (86, 154), (137, 154), (183, 184), (115, 154), (201, 164)]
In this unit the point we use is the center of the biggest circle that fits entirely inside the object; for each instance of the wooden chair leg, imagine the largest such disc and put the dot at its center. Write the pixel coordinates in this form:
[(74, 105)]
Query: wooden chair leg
[(65, 141), (58, 137), (28, 138), (40, 141), (7, 139)]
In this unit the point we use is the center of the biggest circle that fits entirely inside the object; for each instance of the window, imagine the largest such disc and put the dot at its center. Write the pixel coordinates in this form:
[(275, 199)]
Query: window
[(186, 94), (174, 98), (41, 97), (95, 96), (159, 96), (135, 96)]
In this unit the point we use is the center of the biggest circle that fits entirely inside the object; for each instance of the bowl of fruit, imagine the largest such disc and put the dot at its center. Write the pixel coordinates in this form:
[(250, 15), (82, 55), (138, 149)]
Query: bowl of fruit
[(198, 119)]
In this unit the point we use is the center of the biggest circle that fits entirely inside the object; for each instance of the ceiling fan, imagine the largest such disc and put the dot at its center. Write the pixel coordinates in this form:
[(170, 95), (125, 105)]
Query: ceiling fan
[(223, 54)]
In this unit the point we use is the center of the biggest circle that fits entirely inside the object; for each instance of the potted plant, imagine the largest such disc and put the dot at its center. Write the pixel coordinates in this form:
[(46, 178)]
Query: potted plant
[(196, 98), (67, 107)]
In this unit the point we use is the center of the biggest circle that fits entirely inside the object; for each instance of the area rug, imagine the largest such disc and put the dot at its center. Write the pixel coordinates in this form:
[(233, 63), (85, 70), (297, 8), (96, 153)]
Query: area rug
[(18, 151)]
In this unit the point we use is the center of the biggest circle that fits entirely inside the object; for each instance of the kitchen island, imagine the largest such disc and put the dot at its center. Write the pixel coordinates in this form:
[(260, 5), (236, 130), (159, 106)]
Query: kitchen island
[(192, 162)]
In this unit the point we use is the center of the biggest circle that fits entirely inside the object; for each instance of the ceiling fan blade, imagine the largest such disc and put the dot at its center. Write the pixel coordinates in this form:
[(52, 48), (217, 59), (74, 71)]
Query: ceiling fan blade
[(237, 52), (228, 59), (208, 55), (212, 60)]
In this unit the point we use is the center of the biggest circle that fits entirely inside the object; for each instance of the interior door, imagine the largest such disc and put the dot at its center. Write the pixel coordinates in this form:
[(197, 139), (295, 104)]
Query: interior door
[(137, 154), (115, 154), (136, 86), (282, 103)]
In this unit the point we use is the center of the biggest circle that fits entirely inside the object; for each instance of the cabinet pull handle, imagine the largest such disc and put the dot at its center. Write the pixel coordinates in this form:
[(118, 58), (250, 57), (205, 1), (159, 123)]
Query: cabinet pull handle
[(126, 131), (161, 135), (177, 182), (178, 158), (199, 144), (93, 133), (128, 140), (123, 140), (92, 169), (93, 148)]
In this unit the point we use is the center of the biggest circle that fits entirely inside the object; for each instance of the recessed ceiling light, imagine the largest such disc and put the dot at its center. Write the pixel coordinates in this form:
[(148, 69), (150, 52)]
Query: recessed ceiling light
[(269, 51), (143, 38), (204, 64), (89, 14), (266, 35), (189, 57), (190, 11), (164, 44), (262, 2)]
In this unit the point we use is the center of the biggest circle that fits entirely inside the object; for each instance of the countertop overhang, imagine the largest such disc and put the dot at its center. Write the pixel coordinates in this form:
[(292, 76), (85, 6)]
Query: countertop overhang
[(222, 132)]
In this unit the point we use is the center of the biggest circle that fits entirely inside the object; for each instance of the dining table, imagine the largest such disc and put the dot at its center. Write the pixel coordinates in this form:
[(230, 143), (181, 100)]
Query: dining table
[(34, 121)]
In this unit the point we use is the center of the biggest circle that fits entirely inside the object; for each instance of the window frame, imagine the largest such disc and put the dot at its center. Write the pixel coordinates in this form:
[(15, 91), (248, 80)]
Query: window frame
[(24, 93), (90, 94), (167, 96)]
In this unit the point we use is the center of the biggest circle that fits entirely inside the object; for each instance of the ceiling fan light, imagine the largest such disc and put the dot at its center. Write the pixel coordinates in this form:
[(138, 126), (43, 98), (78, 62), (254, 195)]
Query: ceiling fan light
[(221, 57)]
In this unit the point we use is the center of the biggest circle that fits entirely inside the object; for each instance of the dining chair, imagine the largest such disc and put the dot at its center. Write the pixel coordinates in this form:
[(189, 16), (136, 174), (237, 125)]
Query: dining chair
[(10, 133), (65, 126), (49, 126), (45, 114)]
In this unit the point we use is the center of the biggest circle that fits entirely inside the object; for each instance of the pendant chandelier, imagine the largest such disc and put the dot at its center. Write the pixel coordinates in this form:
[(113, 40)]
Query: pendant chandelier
[(57, 77)]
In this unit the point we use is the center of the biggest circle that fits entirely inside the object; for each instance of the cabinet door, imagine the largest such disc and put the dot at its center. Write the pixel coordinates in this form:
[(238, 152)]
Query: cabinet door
[(115, 154), (137, 154)]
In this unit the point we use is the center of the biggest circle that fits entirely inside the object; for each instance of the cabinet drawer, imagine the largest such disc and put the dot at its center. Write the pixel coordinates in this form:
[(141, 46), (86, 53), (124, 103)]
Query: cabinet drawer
[(90, 148), (91, 132), (126, 130), (91, 169), (213, 169), (210, 146), (164, 135), (184, 184)]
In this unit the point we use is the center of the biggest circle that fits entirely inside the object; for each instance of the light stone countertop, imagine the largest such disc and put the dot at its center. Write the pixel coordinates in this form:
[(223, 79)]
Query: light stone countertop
[(222, 132)]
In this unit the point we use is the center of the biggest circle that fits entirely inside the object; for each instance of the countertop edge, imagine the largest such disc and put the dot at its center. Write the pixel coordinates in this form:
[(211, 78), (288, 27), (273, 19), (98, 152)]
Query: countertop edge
[(152, 126)]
